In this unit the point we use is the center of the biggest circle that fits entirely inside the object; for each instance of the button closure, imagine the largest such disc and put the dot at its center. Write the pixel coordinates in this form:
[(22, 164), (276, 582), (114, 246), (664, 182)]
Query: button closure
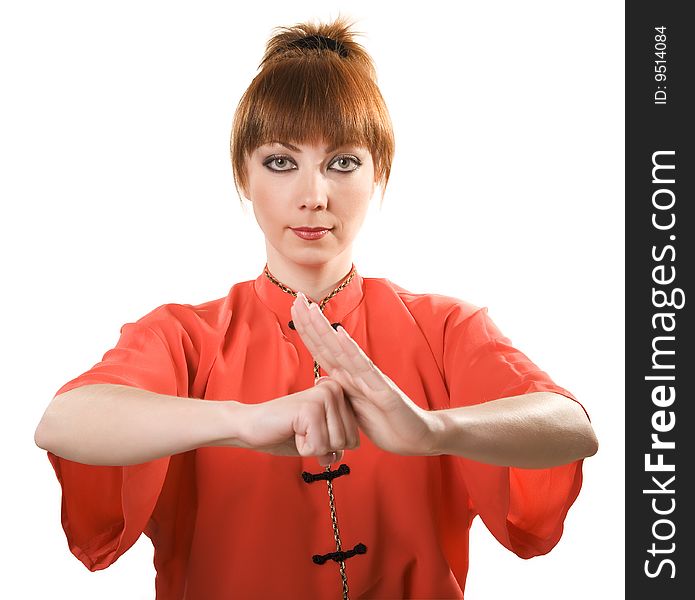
[(291, 325)]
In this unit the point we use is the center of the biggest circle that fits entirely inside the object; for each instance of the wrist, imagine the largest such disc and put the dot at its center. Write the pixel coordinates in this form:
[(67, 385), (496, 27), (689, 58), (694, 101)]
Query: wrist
[(233, 419), (437, 432), (446, 432)]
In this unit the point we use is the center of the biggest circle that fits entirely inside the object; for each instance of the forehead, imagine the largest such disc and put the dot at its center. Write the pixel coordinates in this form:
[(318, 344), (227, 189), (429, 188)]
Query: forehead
[(326, 147)]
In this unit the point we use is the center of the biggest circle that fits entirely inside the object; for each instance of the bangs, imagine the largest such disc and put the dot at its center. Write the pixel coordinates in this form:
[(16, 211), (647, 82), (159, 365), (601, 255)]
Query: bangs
[(306, 102)]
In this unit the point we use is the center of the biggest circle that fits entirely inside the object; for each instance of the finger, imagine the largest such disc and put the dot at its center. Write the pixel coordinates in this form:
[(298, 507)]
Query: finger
[(330, 458), (334, 422), (352, 432), (316, 333), (313, 439), (306, 326), (347, 416), (359, 365), (326, 341), (299, 311), (341, 356), (339, 417), (338, 354)]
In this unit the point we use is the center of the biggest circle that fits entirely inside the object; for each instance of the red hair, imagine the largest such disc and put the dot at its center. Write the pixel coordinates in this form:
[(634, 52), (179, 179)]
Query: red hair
[(308, 92)]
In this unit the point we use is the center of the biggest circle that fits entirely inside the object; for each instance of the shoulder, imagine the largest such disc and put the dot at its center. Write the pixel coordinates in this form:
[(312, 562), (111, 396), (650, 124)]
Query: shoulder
[(212, 315), (422, 305)]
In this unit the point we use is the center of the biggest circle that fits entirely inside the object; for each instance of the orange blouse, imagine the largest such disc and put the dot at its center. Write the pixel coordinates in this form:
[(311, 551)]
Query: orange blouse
[(235, 523)]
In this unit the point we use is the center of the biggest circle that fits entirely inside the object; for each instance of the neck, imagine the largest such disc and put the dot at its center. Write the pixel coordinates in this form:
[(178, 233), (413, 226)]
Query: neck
[(315, 281)]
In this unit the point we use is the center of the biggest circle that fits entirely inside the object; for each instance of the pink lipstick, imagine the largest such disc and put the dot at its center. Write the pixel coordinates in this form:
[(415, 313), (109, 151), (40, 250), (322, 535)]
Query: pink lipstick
[(310, 233)]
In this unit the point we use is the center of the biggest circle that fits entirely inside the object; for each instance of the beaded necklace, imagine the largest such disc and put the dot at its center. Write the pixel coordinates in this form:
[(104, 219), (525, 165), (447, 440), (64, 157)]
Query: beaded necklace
[(340, 555)]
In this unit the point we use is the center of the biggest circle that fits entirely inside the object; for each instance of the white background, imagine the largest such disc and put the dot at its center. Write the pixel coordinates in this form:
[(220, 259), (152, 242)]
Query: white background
[(117, 197)]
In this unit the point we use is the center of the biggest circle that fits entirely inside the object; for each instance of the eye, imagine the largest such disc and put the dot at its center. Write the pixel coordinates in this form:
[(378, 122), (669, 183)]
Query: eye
[(279, 163), (346, 163)]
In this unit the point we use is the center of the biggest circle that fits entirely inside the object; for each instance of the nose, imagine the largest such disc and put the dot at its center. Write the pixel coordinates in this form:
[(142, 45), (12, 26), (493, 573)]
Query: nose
[(313, 190)]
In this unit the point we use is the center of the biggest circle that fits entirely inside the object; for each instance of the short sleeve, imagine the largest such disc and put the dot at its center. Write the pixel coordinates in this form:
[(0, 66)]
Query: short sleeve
[(523, 508), (105, 508)]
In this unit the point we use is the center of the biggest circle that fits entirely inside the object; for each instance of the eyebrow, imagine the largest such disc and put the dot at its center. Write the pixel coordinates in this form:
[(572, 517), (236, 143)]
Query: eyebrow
[(295, 149)]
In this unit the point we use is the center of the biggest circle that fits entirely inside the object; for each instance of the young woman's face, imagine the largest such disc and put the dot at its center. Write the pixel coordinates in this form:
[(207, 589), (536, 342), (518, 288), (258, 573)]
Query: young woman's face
[(309, 186)]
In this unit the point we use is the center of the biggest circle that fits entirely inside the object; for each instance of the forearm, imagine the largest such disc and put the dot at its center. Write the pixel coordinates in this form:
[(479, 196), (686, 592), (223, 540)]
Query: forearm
[(105, 424), (531, 431)]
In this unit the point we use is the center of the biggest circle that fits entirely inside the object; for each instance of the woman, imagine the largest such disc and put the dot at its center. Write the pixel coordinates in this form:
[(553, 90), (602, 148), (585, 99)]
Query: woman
[(203, 426)]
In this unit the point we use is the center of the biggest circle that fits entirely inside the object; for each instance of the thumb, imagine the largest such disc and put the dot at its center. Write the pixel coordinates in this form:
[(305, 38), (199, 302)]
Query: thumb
[(320, 379), (330, 458)]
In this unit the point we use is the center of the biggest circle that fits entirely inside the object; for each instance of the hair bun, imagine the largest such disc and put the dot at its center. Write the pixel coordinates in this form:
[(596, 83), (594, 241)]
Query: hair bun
[(301, 40), (320, 41)]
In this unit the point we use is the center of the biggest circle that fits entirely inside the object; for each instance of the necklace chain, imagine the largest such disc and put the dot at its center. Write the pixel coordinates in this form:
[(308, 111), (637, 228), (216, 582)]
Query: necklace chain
[(329, 482), (291, 292)]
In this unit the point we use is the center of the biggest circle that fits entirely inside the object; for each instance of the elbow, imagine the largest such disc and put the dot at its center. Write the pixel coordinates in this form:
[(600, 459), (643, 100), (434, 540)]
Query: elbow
[(44, 435), (589, 436), (591, 443), (579, 428), (586, 440), (40, 436)]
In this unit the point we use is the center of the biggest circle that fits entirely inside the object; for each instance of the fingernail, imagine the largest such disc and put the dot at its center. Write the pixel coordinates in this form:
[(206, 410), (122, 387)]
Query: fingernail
[(327, 459)]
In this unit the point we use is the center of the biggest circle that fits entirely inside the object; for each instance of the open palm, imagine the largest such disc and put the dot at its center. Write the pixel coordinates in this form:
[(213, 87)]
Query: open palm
[(384, 413)]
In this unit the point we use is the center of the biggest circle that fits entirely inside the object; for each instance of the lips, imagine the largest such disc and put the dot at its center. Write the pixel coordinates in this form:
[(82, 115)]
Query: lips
[(310, 233)]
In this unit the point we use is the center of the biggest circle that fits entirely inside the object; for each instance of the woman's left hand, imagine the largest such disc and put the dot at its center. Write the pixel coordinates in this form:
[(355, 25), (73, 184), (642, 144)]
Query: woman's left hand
[(386, 415)]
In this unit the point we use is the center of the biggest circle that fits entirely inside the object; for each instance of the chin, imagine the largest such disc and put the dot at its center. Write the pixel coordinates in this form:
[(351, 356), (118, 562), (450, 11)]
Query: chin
[(310, 256), (306, 253), (311, 259)]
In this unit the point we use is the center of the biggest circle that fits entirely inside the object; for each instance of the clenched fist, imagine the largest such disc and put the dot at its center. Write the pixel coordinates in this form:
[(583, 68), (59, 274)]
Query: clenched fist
[(318, 421)]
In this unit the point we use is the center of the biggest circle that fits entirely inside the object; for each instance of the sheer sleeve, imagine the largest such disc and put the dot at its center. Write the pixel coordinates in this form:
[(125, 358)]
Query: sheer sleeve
[(106, 508), (523, 508)]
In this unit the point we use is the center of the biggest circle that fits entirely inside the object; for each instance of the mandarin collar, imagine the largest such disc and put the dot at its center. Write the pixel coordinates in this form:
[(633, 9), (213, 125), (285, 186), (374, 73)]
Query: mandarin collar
[(336, 309)]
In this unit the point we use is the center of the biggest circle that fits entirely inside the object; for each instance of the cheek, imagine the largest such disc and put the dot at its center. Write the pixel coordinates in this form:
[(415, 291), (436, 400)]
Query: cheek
[(263, 209), (262, 185), (267, 198), (357, 200)]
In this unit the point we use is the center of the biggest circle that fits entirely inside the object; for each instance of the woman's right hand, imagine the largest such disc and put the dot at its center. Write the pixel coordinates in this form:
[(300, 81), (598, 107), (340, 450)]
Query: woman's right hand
[(318, 421)]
